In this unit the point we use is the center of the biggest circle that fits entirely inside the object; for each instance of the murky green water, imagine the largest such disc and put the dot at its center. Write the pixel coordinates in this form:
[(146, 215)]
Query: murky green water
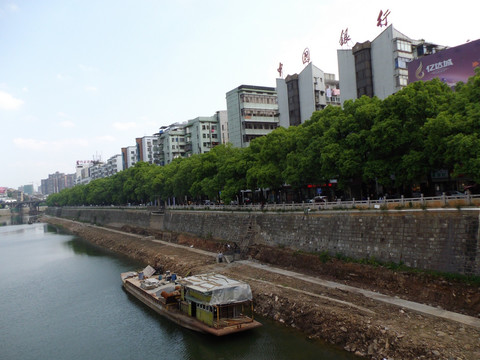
[(61, 298)]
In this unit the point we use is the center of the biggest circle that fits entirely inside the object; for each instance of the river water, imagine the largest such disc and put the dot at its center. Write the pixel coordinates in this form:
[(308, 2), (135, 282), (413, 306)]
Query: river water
[(61, 298)]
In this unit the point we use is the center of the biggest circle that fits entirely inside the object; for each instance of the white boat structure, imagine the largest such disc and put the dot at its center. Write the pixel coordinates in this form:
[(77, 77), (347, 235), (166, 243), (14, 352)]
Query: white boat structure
[(208, 303)]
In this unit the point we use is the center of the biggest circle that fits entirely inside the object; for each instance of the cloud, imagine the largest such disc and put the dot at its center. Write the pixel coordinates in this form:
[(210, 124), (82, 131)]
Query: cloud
[(13, 7), (30, 144), (41, 145), (68, 143), (67, 124), (105, 138), (87, 69), (91, 89), (8, 102), (63, 77), (125, 126)]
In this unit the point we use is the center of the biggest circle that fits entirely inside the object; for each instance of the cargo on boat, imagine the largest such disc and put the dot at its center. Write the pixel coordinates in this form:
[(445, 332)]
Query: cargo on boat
[(208, 303)]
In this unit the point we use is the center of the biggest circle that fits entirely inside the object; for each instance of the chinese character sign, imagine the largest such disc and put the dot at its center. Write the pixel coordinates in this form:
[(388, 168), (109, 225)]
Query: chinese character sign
[(280, 69), (306, 56), (382, 18), (344, 37)]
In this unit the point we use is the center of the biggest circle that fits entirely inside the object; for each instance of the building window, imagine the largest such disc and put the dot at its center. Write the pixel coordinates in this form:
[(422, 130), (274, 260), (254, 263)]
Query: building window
[(402, 81), (401, 62), (403, 45)]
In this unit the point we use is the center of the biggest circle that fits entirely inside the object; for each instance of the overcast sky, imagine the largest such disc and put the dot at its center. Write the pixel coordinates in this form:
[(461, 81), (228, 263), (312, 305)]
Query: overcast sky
[(81, 79)]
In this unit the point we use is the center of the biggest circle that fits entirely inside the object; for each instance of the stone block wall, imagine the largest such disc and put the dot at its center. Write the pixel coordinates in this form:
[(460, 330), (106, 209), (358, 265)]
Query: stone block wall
[(115, 217), (442, 240)]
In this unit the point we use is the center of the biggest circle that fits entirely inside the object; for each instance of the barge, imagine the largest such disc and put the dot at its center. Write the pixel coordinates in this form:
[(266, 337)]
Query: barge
[(207, 303)]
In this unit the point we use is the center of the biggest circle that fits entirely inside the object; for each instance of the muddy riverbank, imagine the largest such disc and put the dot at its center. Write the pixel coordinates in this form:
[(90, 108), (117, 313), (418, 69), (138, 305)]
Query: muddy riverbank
[(369, 328)]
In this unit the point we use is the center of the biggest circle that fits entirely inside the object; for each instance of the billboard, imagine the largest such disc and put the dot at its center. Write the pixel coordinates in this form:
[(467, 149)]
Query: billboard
[(450, 65)]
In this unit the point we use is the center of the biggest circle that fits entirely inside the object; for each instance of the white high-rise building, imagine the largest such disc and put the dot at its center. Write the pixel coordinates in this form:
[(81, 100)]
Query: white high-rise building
[(252, 112), (378, 67), (299, 95), (129, 156), (147, 149)]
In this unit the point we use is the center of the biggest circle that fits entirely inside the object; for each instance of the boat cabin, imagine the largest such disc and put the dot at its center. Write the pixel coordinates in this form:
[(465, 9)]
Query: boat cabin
[(216, 300)]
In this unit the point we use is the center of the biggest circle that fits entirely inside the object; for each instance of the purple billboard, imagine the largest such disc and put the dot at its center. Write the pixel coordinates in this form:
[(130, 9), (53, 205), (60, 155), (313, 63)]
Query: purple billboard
[(450, 65)]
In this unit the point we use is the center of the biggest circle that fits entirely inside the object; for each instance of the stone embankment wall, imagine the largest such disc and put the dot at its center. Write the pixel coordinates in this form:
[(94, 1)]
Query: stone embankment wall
[(115, 217), (442, 240)]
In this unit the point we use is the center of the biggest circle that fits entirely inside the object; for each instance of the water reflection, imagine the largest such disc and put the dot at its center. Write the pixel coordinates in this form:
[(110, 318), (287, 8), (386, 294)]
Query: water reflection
[(81, 247)]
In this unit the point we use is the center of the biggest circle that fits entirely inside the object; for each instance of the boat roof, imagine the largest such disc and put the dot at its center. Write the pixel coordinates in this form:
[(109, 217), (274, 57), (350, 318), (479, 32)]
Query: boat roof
[(223, 289)]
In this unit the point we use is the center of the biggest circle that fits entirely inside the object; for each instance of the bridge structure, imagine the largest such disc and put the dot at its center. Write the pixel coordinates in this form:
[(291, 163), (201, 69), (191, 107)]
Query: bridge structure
[(33, 205)]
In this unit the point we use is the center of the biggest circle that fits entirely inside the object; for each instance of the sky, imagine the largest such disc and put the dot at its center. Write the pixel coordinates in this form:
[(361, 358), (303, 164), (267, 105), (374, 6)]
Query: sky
[(79, 80)]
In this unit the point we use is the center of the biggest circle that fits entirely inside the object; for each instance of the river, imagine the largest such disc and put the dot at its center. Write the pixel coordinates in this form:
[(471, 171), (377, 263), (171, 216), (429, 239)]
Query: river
[(61, 298)]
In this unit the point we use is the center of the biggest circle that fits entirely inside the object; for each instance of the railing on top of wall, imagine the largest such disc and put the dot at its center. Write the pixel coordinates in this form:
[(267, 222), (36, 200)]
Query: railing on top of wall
[(383, 204)]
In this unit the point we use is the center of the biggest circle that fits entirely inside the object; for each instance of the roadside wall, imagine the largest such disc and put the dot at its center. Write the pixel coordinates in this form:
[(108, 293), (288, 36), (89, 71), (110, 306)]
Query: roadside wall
[(442, 240)]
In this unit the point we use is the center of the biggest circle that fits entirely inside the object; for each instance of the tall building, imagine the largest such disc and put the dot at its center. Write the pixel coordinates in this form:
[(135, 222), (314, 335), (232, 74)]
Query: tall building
[(378, 67), (82, 171), (252, 111), (201, 134), (129, 156), (27, 189), (222, 120), (171, 143), (97, 170), (146, 149), (299, 95), (114, 165), (57, 182)]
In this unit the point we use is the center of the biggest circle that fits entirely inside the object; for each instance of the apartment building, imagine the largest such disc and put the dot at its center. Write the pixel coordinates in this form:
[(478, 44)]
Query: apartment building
[(114, 165), (299, 95), (171, 143), (378, 67), (82, 171), (222, 120), (57, 182), (129, 156), (201, 134), (252, 111), (98, 170), (147, 149)]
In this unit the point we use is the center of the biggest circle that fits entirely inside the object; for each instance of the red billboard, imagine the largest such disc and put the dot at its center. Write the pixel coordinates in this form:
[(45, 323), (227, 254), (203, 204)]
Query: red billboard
[(450, 65)]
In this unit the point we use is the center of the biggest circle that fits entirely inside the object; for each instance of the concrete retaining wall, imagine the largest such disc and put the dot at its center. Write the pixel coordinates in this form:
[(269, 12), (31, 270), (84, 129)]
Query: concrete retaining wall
[(442, 240)]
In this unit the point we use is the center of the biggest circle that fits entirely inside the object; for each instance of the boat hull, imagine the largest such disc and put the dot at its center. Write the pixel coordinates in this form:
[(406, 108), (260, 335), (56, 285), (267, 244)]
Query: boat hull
[(171, 312)]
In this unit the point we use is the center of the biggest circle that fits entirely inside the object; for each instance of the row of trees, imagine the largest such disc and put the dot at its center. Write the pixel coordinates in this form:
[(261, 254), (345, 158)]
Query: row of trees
[(393, 143)]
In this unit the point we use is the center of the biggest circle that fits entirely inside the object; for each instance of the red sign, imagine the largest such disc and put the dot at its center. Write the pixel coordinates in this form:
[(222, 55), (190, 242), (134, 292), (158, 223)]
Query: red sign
[(382, 18), (306, 56), (344, 37)]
